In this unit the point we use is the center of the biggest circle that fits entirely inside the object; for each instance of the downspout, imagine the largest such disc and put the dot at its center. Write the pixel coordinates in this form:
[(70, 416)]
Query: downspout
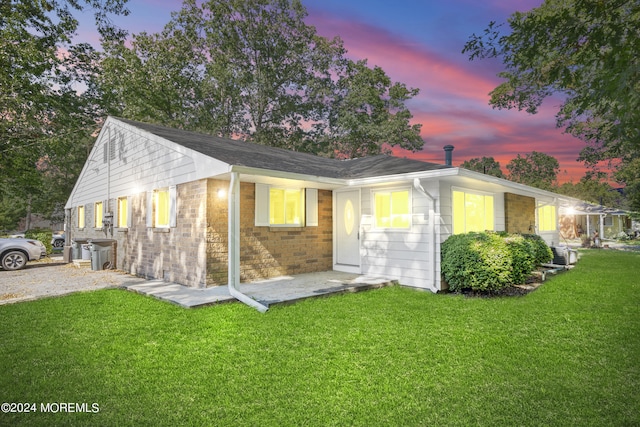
[(432, 228), (234, 245)]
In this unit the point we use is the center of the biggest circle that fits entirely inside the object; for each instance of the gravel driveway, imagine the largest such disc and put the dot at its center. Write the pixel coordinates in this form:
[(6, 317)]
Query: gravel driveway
[(52, 277)]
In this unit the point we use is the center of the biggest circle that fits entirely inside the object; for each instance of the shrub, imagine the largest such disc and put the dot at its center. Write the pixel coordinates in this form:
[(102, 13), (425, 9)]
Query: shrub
[(43, 235), (541, 252), (622, 236), (491, 261), (478, 261)]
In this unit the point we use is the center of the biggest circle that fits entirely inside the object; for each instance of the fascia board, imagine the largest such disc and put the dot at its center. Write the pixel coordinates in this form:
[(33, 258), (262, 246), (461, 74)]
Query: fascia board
[(440, 173), (517, 186), (245, 170)]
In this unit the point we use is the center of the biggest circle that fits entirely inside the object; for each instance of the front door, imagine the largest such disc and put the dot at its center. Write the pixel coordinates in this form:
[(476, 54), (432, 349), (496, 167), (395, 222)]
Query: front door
[(348, 228)]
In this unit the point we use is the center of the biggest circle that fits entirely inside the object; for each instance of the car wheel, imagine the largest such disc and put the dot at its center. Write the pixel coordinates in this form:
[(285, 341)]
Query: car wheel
[(14, 260), (58, 243)]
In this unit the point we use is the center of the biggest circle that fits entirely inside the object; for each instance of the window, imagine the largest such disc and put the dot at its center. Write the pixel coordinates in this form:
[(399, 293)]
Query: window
[(608, 221), (97, 214), (392, 209), (161, 208), (279, 206), (472, 212), (286, 206), (547, 218), (81, 217), (123, 212)]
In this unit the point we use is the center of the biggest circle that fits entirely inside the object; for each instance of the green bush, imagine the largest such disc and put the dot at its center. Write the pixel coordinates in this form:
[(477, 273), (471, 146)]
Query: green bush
[(43, 235), (491, 261), (541, 252)]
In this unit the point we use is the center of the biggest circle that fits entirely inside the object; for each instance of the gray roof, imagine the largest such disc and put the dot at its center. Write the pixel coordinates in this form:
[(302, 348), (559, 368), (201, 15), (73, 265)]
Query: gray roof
[(242, 153)]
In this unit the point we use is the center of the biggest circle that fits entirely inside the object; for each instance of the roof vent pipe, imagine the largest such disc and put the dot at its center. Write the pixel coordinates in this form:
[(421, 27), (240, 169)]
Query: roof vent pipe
[(448, 150)]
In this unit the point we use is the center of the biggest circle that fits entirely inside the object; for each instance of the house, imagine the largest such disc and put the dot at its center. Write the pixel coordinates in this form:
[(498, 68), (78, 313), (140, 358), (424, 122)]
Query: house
[(582, 219), (178, 203)]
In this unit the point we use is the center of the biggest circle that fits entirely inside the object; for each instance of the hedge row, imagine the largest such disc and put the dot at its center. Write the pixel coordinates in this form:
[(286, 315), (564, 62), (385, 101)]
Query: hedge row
[(491, 261)]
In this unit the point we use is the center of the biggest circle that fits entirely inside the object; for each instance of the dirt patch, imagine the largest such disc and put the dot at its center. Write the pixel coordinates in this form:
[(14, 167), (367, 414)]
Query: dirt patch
[(52, 277), (533, 282)]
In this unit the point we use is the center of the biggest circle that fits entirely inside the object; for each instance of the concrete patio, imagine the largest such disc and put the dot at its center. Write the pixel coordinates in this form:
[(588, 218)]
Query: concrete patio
[(279, 290)]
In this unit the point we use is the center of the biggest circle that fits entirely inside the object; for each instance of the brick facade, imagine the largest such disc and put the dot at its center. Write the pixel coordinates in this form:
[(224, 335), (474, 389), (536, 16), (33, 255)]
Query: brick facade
[(266, 251), (519, 213), (194, 253)]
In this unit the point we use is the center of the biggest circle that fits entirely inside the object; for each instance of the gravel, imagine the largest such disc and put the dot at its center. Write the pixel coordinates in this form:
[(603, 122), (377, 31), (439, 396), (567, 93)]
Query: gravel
[(52, 277)]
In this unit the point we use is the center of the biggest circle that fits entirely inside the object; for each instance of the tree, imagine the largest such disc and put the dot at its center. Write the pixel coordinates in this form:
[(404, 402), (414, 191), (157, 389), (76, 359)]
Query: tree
[(43, 114), (486, 165), (592, 188), (586, 52), (535, 169), (254, 69), (368, 114)]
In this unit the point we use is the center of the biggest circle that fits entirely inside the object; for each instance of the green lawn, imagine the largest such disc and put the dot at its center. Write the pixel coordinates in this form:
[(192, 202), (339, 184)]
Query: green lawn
[(566, 354)]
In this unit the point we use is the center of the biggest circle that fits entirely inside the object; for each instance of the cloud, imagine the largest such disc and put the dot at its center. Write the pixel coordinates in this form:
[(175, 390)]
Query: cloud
[(453, 101)]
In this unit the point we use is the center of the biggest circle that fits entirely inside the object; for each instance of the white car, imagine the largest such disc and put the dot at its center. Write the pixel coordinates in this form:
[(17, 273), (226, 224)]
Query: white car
[(15, 253)]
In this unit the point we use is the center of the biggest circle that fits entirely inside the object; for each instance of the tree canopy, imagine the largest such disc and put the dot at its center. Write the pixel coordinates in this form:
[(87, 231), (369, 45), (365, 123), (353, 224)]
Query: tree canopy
[(535, 169), (239, 68), (586, 52), (45, 116), (486, 165), (255, 69)]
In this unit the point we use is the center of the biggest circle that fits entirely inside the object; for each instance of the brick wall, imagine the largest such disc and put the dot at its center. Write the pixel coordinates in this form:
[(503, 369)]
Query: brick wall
[(265, 251), (174, 254), (520, 213), (194, 253)]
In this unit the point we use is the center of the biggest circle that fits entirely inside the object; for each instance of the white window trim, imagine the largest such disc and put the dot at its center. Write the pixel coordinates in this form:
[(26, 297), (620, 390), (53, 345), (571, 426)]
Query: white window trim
[(541, 204), (310, 216), (151, 214), (391, 190), (116, 213), (473, 191), (95, 223), (84, 219)]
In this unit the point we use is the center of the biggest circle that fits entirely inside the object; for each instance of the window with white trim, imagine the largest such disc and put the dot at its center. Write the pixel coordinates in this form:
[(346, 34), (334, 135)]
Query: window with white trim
[(285, 207), (547, 220), (98, 214), (81, 217), (392, 208), (123, 212), (161, 207), (472, 211)]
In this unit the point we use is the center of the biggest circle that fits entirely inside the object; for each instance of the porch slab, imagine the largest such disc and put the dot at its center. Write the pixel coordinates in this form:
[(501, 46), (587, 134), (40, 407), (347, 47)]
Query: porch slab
[(278, 290)]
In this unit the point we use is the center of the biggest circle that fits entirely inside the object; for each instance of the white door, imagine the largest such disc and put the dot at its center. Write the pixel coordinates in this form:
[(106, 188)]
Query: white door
[(348, 228)]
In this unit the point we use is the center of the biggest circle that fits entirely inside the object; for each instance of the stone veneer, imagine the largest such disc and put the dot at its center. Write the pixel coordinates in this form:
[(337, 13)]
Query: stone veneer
[(519, 213), (194, 253)]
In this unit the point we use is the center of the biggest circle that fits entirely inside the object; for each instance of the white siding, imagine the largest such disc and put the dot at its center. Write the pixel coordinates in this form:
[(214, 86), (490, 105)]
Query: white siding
[(404, 255), (137, 161)]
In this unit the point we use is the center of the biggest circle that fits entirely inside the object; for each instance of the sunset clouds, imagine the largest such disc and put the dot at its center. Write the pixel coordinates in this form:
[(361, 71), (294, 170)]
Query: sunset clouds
[(454, 92), (419, 43)]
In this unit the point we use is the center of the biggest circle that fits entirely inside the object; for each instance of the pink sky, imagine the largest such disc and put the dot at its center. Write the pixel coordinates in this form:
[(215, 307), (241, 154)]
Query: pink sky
[(419, 43)]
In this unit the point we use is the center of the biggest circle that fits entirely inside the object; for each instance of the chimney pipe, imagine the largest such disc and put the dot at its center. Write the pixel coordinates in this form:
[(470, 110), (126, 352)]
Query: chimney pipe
[(448, 150)]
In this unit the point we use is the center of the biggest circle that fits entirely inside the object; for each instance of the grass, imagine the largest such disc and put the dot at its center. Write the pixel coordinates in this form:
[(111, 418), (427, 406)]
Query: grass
[(566, 354)]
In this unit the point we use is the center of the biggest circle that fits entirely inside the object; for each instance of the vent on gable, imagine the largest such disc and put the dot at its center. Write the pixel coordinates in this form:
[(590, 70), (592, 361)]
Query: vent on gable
[(109, 151)]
